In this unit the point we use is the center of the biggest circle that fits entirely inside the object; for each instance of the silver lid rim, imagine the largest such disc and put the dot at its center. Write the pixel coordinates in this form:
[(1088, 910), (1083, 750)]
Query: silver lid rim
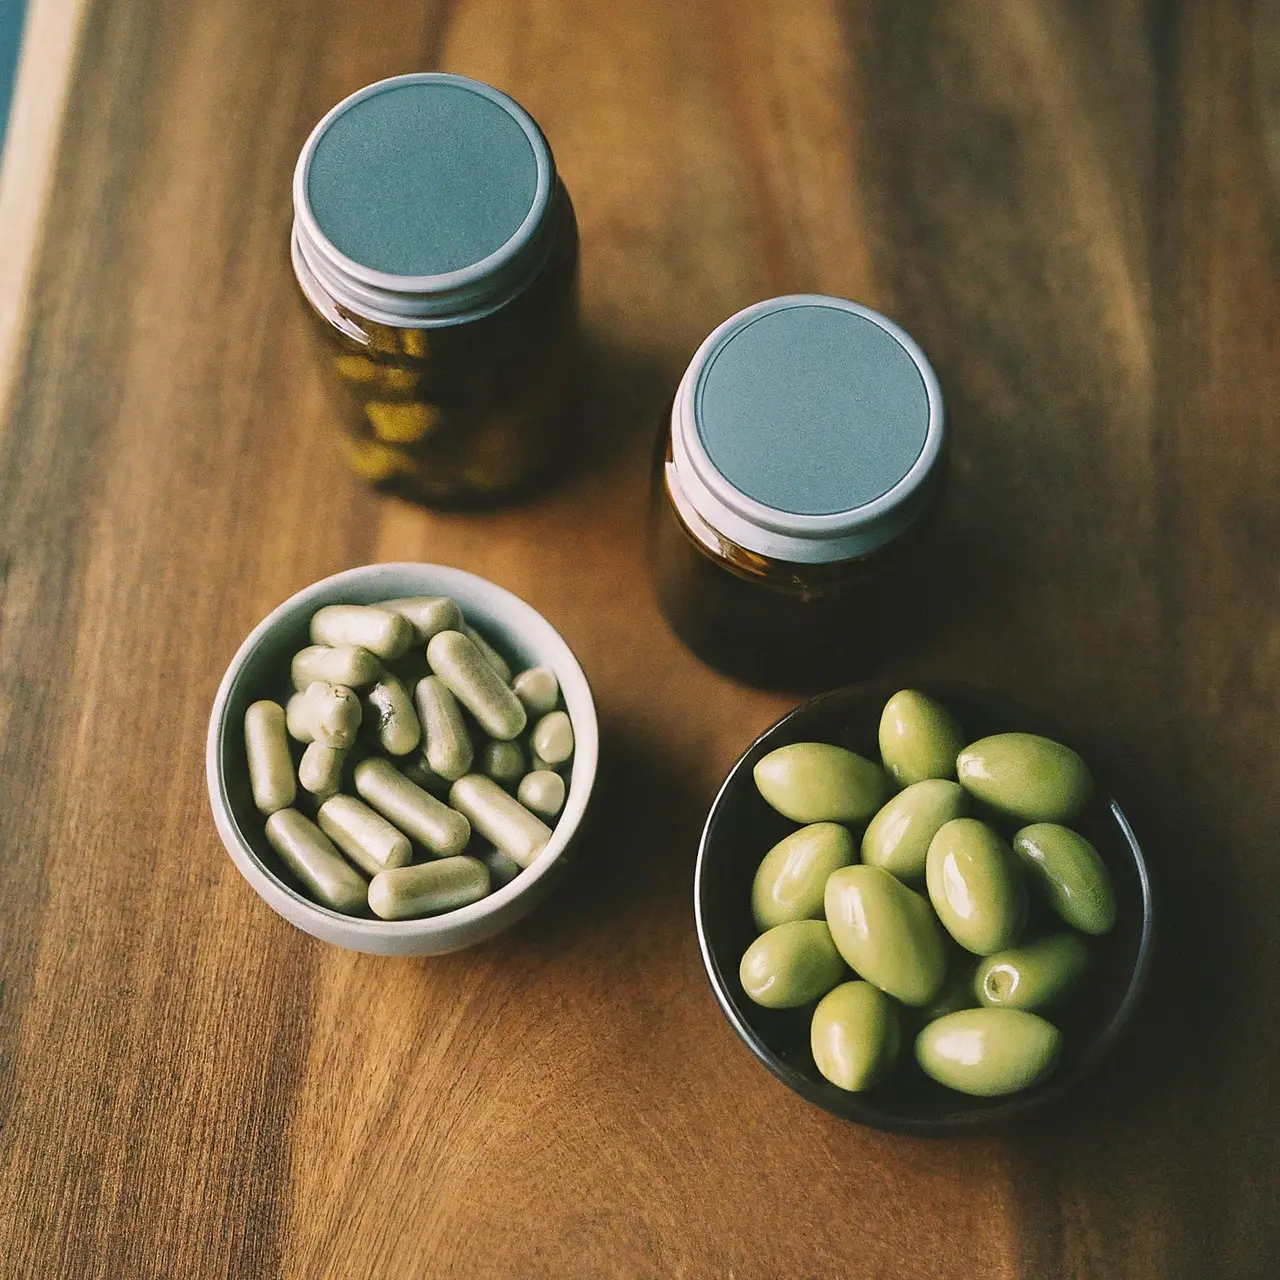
[(783, 535), (466, 293)]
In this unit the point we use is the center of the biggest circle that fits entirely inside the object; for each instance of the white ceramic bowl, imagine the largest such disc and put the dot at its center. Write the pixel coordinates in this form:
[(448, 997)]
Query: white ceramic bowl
[(260, 669)]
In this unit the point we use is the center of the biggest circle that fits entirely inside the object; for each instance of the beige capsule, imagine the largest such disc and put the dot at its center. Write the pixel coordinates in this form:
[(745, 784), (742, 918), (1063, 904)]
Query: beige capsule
[(297, 719), (407, 893), (365, 836), (542, 792), (320, 770), (501, 761), (538, 689), (385, 634), (552, 738), (448, 750), (332, 713), (267, 751), (398, 729), (491, 655), (310, 856), (428, 615), (500, 818), (421, 774), (475, 683), (345, 664), (438, 828)]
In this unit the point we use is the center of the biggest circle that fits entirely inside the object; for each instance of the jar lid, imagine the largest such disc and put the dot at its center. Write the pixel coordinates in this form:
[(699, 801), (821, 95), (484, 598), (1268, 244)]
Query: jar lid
[(423, 198), (806, 428)]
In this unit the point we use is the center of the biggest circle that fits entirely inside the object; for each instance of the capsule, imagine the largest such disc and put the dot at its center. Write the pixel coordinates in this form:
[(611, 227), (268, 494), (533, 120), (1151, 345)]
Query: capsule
[(398, 727), (366, 837), (332, 713), (421, 774), (500, 818), (502, 870), (297, 719), (346, 664), (385, 634), (448, 749), (428, 615), (406, 893), (538, 689), (320, 770), (501, 761), (552, 738), (491, 655), (267, 749), (321, 869), (432, 824), (475, 683), (542, 792)]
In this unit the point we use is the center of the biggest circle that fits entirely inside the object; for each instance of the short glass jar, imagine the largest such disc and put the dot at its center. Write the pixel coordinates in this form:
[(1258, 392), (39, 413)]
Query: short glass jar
[(791, 493), (438, 252)]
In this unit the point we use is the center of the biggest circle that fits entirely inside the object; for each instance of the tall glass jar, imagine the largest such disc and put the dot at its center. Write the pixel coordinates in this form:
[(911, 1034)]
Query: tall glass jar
[(438, 252), (791, 493)]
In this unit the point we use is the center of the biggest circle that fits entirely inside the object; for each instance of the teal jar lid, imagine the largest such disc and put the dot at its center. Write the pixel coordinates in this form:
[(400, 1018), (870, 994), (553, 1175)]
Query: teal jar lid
[(423, 200), (807, 428)]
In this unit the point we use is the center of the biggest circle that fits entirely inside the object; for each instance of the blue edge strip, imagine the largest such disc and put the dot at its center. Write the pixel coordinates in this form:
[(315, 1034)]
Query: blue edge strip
[(11, 14)]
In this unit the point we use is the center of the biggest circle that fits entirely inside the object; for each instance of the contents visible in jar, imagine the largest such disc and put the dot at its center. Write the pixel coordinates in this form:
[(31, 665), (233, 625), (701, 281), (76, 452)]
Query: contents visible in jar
[(937, 917), (411, 796)]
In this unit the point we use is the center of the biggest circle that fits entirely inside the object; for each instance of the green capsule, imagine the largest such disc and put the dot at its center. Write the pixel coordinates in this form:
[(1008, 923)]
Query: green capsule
[(267, 752), (988, 1052), (919, 738), (855, 1035), (791, 964), (320, 769), (500, 818), (427, 615), (399, 731), (552, 738), (817, 782), (320, 868), (449, 750), (330, 712), (1026, 776), (1033, 975), (346, 664), (886, 933), (538, 689), (1072, 875), (792, 878), (501, 761), (366, 837), (491, 655), (542, 792), (476, 684), (898, 837), (434, 825), (976, 886), (428, 889)]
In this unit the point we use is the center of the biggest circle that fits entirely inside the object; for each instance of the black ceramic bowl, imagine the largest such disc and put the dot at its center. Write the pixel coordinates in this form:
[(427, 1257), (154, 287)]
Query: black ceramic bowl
[(740, 830)]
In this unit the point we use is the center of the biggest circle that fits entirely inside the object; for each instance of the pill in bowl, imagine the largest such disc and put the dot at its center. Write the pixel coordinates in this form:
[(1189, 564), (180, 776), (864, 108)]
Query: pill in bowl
[(372, 762)]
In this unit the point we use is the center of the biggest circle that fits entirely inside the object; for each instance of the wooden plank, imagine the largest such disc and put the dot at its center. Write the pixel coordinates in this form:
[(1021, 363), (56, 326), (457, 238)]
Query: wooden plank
[(1067, 204)]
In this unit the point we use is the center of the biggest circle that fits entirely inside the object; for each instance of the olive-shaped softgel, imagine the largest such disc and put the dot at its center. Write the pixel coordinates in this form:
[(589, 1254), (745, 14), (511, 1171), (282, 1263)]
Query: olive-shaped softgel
[(854, 1035), (1033, 975), (1070, 874), (818, 782), (886, 933), (976, 886), (988, 1052), (898, 837), (919, 738), (1026, 776), (792, 878), (791, 965)]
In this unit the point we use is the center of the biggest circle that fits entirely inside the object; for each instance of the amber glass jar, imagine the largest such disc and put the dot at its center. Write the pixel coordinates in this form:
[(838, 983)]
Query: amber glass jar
[(791, 493), (438, 252)]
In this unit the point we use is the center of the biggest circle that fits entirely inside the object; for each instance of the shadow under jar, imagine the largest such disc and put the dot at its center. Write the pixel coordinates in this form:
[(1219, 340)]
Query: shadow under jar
[(789, 531), (438, 252)]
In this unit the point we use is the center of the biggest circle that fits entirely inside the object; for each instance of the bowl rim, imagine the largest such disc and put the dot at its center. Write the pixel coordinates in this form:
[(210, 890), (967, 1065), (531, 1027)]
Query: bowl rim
[(281, 897), (984, 1114)]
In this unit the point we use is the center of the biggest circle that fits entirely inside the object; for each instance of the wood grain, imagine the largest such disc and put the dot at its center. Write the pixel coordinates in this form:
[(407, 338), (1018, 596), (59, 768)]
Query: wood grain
[(1069, 205)]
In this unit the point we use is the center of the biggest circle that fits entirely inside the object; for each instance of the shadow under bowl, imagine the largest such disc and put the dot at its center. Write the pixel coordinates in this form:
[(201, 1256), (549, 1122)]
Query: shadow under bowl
[(741, 828)]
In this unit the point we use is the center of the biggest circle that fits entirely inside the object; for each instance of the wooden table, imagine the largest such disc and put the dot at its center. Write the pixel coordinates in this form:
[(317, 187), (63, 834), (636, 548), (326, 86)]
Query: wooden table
[(1074, 208)]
